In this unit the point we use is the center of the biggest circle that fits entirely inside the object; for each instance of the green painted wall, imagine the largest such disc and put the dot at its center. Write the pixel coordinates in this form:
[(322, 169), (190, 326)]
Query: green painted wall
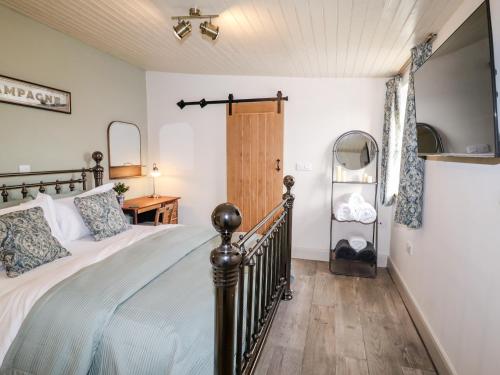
[(103, 89)]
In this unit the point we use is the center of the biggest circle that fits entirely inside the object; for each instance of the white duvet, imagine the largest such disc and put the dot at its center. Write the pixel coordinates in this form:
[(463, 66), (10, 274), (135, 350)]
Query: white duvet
[(18, 295)]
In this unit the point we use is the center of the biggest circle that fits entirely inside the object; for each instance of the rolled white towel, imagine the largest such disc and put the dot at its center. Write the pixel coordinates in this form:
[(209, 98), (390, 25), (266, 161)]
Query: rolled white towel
[(357, 243), (343, 211), (355, 199), (365, 213)]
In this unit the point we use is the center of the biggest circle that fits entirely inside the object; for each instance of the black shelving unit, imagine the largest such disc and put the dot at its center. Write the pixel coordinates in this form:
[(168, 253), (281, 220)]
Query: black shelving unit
[(354, 267)]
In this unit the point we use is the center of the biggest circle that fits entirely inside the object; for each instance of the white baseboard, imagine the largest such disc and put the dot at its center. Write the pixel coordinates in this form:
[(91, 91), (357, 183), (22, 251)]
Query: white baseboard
[(436, 351), (310, 254), (382, 260), (322, 255)]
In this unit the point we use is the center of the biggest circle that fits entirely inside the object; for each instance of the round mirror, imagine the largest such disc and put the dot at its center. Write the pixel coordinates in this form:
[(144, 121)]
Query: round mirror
[(428, 139), (355, 150)]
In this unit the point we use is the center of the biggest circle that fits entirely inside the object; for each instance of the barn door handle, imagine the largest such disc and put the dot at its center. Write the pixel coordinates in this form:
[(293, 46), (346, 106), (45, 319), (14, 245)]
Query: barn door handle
[(278, 165)]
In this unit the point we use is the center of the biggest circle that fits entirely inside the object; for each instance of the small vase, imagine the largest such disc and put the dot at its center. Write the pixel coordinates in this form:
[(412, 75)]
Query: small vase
[(121, 199)]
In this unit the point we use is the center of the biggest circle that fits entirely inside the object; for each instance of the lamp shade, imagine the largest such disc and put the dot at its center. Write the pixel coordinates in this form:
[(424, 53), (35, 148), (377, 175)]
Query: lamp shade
[(155, 172)]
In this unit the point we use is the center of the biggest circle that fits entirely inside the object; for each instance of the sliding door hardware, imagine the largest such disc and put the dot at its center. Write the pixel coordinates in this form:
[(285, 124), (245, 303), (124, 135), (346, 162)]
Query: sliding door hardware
[(230, 100)]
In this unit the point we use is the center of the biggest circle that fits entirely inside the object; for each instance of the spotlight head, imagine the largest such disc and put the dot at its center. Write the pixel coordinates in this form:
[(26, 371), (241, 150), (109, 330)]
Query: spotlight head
[(209, 29), (182, 29)]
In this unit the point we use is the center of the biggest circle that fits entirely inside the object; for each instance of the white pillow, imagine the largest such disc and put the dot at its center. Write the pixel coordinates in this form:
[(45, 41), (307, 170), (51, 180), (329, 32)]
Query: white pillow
[(69, 220), (47, 204)]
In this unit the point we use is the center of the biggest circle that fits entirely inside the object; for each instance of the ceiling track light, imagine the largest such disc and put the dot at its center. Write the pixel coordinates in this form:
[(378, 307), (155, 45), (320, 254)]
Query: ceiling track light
[(209, 29), (183, 27)]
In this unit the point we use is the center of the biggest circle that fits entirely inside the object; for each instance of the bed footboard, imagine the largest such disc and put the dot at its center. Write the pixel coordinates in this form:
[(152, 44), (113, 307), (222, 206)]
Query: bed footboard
[(250, 278)]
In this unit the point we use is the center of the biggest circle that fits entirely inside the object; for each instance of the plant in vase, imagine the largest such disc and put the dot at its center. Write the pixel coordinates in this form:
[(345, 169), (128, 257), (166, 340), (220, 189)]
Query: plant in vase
[(120, 188)]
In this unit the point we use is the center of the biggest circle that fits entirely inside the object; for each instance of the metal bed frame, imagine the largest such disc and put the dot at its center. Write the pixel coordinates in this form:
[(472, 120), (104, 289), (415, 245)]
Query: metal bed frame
[(251, 276), (249, 283), (97, 171)]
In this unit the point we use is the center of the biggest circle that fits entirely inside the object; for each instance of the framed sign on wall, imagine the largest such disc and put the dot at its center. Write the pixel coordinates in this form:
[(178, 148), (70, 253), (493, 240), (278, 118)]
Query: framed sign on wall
[(28, 94)]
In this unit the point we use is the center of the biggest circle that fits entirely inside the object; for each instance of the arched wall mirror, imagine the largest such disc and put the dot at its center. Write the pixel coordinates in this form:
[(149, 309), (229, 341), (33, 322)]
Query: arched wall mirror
[(355, 150), (124, 148)]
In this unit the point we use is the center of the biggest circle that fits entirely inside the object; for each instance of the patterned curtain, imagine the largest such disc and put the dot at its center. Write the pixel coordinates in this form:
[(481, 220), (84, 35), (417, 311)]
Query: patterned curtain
[(390, 154), (411, 184)]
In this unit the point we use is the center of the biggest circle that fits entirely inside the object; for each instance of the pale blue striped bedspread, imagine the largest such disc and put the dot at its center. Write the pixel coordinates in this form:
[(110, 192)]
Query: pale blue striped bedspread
[(146, 310)]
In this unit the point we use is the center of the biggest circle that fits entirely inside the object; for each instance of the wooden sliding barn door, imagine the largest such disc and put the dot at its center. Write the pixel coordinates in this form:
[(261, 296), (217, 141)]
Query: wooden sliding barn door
[(254, 159)]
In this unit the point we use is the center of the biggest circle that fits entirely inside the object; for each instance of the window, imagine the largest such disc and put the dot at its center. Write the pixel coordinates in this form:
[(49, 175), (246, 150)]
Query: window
[(396, 140)]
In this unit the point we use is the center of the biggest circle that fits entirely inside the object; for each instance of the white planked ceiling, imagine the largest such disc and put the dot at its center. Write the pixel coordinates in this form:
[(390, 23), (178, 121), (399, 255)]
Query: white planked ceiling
[(306, 38)]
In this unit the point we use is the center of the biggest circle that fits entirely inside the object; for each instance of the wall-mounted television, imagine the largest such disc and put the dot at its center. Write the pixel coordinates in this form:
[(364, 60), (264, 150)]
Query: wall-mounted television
[(455, 93)]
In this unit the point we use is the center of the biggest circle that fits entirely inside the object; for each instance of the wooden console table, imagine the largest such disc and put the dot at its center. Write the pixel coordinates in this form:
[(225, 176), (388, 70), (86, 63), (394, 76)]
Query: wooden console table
[(166, 207)]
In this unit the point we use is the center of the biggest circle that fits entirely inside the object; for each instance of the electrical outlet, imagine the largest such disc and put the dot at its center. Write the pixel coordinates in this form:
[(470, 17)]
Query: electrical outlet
[(24, 168), (409, 248)]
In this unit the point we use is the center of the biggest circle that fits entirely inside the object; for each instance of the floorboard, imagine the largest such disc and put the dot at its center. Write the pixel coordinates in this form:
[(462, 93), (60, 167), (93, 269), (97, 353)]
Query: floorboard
[(319, 352), (351, 366), (340, 325)]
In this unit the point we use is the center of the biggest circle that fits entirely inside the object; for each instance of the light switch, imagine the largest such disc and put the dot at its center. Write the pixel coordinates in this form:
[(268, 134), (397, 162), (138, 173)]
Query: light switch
[(24, 168), (303, 166)]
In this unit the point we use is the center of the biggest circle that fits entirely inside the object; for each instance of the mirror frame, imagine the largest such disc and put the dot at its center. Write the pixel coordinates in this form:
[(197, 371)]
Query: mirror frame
[(354, 132), (128, 171), (437, 138)]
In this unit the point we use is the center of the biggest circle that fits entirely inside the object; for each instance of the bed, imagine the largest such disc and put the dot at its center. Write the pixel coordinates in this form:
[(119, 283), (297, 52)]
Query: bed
[(146, 300)]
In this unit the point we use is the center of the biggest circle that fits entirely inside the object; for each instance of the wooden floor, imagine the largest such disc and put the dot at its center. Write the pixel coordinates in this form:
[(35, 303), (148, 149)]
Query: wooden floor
[(343, 325)]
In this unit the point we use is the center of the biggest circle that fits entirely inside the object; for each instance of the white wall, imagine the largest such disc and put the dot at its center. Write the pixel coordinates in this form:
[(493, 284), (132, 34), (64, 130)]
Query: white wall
[(453, 273), (190, 145)]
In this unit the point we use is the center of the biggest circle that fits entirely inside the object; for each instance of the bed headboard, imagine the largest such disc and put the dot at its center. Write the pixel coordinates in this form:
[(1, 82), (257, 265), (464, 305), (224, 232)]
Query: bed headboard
[(97, 172)]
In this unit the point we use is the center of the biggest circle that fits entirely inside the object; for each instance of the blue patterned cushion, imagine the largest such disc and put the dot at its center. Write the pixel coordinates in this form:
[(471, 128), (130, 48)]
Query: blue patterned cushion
[(26, 241), (102, 214)]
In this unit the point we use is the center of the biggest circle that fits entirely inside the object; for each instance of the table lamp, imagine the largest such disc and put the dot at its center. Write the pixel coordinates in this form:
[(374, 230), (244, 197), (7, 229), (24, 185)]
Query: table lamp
[(155, 173)]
